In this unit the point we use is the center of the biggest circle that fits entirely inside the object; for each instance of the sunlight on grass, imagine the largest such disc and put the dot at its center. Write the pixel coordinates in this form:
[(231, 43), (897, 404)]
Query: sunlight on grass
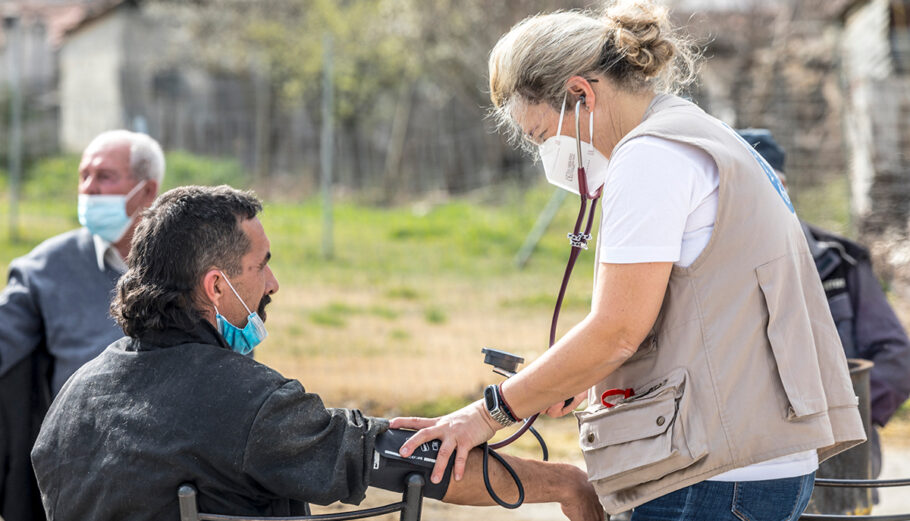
[(409, 297), (402, 292), (827, 206), (327, 317), (546, 300), (435, 316)]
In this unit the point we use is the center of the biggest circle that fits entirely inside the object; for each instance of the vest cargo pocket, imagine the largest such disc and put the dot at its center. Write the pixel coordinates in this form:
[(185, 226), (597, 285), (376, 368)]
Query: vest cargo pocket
[(643, 438), (790, 334)]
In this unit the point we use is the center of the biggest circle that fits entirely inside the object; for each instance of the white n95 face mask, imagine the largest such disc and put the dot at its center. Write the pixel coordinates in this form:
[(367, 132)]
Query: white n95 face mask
[(558, 155)]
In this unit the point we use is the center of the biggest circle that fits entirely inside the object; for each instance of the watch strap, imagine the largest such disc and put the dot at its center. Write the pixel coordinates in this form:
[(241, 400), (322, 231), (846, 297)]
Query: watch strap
[(498, 411), (505, 404)]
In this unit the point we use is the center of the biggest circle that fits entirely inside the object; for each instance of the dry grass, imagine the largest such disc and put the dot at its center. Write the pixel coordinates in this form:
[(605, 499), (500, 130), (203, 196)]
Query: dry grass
[(396, 321), (358, 347), (395, 324)]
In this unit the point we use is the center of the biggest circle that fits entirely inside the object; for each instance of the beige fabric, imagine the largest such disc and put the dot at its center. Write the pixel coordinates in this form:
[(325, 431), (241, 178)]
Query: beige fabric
[(744, 363)]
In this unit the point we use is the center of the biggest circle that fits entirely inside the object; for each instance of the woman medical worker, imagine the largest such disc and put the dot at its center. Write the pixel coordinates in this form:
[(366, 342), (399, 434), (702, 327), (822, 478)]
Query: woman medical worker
[(713, 372)]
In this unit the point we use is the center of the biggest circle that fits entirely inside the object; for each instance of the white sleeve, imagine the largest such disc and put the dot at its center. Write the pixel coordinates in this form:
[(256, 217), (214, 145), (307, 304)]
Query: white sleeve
[(647, 198)]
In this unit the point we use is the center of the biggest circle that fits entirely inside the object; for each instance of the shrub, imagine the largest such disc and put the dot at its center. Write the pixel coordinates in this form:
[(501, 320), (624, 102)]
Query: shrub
[(184, 168), (56, 177)]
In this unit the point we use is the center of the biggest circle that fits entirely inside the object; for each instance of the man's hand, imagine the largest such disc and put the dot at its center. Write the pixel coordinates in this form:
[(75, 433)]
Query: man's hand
[(459, 432), (543, 481), (558, 410), (582, 503)]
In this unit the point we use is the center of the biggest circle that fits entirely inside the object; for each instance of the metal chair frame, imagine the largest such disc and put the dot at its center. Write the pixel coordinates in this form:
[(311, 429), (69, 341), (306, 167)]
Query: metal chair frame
[(410, 507), (860, 483)]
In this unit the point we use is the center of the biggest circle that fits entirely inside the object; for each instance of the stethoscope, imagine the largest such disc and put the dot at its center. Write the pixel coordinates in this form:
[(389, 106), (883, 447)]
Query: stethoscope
[(578, 242)]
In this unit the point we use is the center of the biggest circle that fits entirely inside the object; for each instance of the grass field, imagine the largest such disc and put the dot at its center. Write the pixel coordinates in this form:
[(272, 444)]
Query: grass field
[(394, 323)]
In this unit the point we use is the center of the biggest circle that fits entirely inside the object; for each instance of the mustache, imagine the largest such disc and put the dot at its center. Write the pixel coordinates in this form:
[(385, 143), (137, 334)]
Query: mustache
[(266, 300)]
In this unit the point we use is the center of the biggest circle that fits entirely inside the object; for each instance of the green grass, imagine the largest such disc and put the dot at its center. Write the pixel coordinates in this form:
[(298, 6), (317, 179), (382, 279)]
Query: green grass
[(545, 300), (55, 177), (405, 283), (402, 292), (411, 292), (336, 314), (827, 206), (395, 247), (327, 317), (435, 316), (434, 408), (903, 412)]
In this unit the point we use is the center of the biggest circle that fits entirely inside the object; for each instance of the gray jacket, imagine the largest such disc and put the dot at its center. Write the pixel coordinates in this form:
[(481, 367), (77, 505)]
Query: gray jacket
[(53, 318), (57, 297)]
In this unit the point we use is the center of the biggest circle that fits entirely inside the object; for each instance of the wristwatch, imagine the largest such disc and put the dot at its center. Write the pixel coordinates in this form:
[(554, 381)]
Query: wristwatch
[(496, 406)]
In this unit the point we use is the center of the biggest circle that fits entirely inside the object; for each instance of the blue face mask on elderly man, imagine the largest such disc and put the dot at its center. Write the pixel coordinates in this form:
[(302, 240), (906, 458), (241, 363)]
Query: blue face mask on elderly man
[(241, 340), (105, 215)]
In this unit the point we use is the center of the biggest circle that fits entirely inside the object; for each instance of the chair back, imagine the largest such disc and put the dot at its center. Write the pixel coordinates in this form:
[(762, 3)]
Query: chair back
[(410, 507), (859, 483)]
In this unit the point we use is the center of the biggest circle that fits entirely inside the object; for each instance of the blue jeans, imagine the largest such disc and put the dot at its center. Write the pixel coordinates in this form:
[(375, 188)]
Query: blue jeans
[(770, 500)]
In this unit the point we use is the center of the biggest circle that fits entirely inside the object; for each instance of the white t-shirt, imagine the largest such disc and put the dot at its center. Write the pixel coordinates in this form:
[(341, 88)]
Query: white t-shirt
[(659, 205)]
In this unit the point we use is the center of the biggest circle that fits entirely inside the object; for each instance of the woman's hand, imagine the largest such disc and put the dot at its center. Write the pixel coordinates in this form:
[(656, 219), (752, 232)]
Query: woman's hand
[(558, 410), (459, 431)]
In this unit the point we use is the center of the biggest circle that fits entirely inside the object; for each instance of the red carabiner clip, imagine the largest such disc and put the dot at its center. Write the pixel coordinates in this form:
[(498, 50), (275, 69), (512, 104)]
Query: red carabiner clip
[(625, 393)]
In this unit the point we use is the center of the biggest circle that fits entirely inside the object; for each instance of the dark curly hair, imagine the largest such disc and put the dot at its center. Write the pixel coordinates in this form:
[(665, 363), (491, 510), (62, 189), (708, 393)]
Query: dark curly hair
[(186, 232)]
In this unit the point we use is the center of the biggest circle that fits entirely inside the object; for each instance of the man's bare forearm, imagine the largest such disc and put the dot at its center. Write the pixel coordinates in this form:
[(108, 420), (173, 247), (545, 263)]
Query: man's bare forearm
[(543, 482)]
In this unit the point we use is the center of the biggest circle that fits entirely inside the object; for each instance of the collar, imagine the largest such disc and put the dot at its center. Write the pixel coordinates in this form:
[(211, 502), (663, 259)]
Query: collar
[(828, 255), (202, 333), (815, 248), (106, 254)]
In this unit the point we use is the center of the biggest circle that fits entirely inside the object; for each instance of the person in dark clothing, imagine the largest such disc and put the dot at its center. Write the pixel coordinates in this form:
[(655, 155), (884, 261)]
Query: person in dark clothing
[(866, 323), (44, 335), (177, 400)]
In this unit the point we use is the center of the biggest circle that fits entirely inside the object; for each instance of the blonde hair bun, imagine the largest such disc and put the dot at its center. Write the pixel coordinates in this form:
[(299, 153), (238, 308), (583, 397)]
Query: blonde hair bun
[(631, 43), (640, 31)]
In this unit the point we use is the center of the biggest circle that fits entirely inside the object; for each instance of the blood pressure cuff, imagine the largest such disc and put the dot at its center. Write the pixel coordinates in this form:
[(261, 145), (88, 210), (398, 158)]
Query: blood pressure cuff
[(390, 469)]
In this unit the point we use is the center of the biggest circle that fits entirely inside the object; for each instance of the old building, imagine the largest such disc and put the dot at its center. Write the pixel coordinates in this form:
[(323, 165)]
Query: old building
[(774, 65), (875, 56), (30, 34)]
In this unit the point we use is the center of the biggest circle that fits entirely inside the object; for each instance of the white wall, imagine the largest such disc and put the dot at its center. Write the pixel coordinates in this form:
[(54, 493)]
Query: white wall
[(91, 100), (866, 61)]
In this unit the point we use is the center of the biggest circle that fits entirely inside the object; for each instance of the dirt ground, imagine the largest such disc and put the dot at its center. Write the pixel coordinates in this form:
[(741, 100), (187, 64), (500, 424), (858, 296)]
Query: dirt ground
[(895, 464)]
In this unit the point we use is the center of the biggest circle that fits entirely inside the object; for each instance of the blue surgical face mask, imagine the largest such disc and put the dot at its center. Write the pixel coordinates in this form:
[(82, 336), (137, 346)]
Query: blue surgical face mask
[(105, 215), (241, 340)]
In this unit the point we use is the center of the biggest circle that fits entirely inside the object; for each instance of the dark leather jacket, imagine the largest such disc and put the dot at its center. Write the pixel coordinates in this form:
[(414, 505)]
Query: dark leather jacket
[(147, 415)]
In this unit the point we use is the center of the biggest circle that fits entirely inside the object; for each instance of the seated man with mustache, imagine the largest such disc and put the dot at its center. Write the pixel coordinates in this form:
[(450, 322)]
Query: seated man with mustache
[(176, 400)]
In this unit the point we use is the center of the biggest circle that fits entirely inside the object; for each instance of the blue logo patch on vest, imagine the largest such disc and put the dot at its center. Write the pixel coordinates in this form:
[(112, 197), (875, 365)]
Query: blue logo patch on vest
[(772, 176)]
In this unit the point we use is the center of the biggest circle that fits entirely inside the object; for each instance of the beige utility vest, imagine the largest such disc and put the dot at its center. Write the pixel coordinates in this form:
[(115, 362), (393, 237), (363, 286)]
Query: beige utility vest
[(744, 363)]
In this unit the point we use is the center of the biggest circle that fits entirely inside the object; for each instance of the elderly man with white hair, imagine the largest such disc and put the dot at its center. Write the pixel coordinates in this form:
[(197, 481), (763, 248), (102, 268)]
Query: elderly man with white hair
[(54, 310)]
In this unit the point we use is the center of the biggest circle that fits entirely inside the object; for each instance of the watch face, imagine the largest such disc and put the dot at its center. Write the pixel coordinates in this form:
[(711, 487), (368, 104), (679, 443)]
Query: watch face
[(489, 398)]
